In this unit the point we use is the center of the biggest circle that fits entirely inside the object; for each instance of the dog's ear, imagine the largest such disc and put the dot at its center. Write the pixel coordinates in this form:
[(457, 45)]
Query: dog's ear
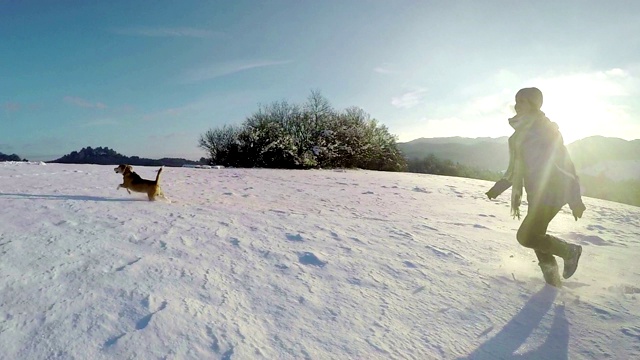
[(128, 168)]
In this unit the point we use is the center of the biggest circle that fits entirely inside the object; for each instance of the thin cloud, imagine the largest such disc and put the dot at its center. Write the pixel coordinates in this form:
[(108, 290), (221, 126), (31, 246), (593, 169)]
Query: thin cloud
[(167, 32), (410, 99), (385, 69), (170, 136), (616, 72), (11, 106), (80, 102), (167, 113), (445, 127), (218, 70), (99, 122)]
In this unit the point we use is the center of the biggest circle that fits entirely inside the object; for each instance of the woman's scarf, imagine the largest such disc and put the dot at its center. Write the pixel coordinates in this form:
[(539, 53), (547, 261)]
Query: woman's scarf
[(515, 172)]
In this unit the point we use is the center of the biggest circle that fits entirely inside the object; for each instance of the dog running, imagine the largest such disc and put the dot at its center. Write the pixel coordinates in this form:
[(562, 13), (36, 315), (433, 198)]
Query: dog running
[(133, 182)]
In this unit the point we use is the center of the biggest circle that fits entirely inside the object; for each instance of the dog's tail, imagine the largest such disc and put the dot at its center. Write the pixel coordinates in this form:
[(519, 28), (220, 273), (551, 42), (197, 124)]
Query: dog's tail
[(158, 176)]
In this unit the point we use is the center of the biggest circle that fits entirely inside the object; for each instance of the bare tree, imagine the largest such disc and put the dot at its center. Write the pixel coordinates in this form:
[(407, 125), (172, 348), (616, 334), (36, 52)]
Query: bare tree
[(286, 135), (218, 142)]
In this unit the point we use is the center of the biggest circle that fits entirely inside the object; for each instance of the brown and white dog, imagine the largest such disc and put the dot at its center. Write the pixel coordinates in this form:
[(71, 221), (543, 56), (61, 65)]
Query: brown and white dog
[(133, 182)]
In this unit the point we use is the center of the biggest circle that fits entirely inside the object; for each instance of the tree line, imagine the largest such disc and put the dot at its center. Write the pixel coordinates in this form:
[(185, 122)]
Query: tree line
[(316, 135), (310, 135), (601, 187), (431, 164)]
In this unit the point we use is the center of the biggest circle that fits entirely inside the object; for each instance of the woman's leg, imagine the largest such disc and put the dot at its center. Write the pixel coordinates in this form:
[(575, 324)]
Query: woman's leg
[(533, 234)]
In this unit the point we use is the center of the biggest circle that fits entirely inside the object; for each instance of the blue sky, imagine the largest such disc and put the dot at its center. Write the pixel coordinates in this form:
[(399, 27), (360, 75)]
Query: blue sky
[(147, 78)]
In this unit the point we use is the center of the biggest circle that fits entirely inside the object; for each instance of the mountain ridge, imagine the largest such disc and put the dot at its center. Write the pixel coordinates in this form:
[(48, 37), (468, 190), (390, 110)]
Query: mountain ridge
[(492, 153), (12, 157), (107, 156)]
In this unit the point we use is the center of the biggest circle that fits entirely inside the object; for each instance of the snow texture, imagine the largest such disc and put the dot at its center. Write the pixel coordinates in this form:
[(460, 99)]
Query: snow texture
[(272, 264)]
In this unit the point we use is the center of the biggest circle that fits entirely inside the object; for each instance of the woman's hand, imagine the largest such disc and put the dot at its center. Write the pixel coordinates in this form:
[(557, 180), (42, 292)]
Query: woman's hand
[(498, 188)]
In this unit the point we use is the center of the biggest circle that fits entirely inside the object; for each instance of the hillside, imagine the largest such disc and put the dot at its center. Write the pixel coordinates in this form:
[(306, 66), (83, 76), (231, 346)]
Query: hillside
[(597, 149), (616, 170), (271, 264), (12, 157), (492, 153), (106, 156), (485, 153)]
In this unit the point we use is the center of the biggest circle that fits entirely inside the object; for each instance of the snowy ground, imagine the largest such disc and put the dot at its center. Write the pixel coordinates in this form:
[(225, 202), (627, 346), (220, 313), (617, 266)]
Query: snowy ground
[(272, 264)]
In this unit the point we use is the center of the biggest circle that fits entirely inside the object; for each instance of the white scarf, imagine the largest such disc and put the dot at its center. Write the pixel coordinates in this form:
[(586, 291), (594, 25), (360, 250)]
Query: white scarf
[(515, 172)]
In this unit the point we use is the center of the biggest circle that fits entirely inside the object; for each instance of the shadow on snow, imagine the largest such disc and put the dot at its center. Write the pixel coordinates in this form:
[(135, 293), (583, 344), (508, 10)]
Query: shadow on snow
[(67, 197), (504, 344)]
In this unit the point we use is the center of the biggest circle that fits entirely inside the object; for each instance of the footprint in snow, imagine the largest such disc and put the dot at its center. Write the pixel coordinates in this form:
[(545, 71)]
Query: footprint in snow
[(215, 344), (144, 322), (596, 227), (294, 237), (633, 332), (485, 215), (420, 289), (421, 190), (145, 302), (308, 258), (409, 264), (227, 354), (426, 227), (128, 264), (444, 253), (66, 222), (113, 340), (589, 239), (624, 289)]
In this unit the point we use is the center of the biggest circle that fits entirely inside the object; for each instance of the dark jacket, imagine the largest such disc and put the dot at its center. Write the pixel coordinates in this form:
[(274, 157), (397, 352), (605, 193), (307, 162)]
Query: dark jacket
[(550, 177)]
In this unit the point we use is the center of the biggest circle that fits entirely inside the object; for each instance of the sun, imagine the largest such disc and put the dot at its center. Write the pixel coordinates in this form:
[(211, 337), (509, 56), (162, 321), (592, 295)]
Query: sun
[(583, 104)]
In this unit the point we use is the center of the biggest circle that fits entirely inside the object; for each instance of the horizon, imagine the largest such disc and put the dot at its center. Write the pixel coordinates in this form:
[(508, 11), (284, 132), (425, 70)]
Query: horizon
[(47, 158), (147, 78)]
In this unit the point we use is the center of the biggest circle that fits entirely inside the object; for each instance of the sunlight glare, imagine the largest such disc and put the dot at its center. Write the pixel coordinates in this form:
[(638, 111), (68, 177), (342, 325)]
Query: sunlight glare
[(584, 104)]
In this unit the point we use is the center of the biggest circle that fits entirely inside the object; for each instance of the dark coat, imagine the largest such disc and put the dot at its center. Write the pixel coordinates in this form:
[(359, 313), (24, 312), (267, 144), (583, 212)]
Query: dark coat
[(550, 177)]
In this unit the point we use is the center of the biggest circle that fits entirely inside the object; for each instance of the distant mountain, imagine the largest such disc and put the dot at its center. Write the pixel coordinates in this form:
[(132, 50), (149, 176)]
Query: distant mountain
[(484, 153), (12, 157), (609, 168), (458, 140), (493, 154), (616, 170), (597, 149), (106, 156)]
